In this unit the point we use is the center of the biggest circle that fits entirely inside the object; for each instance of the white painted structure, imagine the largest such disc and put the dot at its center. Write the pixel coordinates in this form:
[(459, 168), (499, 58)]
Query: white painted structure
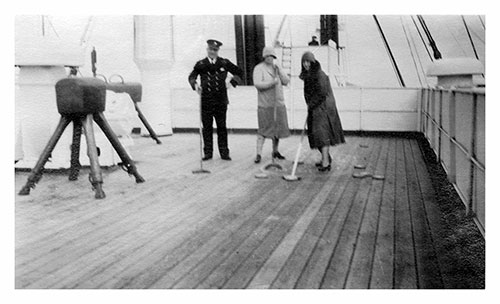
[(153, 54), (455, 72), (366, 109)]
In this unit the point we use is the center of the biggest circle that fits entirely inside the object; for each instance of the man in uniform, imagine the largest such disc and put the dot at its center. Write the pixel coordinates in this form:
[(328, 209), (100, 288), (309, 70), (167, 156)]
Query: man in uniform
[(213, 72)]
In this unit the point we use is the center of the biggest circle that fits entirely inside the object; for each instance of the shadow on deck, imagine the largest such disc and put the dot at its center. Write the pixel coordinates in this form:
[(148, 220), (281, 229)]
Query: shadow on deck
[(231, 230)]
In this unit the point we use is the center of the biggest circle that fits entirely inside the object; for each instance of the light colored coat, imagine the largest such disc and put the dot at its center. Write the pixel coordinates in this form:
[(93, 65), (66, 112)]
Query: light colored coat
[(271, 114), (263, 80)]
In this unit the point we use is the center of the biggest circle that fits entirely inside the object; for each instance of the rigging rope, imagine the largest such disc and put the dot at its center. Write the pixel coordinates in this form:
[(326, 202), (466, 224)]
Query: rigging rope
[(482, 22), (470, 38), (456, 40), (411, 51), (471, 41), (422, 38), (432, 43), (388, 48), (477, 36), (416, 52)]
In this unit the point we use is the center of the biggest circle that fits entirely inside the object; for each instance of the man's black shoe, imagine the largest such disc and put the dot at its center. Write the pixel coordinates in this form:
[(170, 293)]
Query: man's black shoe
[(206, 157), (225, 157)]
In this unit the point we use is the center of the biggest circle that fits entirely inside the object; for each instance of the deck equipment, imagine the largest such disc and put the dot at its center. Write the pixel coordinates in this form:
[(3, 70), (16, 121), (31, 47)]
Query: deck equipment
[(292, 177), (82, 101)]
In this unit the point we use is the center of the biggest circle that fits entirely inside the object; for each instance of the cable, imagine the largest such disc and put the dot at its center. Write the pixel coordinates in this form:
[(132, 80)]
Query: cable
[(416, 52), (456, 40), (411, 51), (470, 38), (471, 41), (432, 43), (477, 36), (388, 48), (52, 26), (482, 22), (422, 38)]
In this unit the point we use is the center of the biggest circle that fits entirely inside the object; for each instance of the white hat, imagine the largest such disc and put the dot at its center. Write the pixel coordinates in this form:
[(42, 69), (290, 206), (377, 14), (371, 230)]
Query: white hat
[(268, 51)]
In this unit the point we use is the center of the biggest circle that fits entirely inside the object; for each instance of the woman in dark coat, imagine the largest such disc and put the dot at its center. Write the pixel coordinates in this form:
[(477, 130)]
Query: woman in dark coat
[(324, 128)]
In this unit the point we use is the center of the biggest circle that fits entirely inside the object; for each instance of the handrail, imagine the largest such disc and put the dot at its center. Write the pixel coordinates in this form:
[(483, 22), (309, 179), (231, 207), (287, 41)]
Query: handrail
[(470, 185)]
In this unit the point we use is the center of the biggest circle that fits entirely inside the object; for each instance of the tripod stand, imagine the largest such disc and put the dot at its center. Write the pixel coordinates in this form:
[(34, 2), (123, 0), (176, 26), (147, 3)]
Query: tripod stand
[(82, 101)]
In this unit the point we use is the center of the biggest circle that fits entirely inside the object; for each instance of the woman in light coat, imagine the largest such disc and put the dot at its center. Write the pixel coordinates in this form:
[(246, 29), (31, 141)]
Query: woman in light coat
[(323, 122), (268, 79)]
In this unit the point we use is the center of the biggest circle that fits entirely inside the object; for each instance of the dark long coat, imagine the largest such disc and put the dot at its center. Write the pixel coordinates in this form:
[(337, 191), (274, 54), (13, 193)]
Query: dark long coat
[(323, 122)]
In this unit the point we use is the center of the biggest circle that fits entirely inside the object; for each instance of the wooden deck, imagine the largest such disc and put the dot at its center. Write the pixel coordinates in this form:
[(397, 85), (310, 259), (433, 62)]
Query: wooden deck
[(228, 229)]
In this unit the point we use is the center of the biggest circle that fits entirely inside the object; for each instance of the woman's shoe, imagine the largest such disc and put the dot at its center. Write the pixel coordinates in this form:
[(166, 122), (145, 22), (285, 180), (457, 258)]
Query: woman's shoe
[(320, 163), (323, 169), (257, 159), (278, 155)]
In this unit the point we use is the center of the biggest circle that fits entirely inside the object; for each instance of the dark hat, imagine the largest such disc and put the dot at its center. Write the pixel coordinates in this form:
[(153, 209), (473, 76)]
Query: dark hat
[(214, 44), (308, 56)]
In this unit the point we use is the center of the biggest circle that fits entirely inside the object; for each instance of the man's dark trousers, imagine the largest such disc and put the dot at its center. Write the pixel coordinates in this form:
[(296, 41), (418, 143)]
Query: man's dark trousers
[(210, 110)]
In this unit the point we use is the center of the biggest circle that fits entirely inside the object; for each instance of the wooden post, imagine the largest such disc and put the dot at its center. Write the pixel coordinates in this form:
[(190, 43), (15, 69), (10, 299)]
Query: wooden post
[(95, 175), (36, 173), (75, 150), (127, 162)]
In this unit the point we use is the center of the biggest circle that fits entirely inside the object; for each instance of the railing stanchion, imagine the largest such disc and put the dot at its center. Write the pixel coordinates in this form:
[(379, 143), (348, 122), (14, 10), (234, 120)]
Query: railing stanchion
[(452, 174), (472, 155), (440, 124)]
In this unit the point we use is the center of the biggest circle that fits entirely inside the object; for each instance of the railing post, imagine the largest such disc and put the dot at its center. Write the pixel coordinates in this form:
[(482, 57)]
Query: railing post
[(427, 102), (472, 155), (433, 119), (440, 123), (452, 174), (422, 110)]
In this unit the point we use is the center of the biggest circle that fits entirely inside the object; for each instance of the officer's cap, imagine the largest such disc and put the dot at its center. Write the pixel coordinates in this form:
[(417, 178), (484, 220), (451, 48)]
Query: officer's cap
[(214, 44)]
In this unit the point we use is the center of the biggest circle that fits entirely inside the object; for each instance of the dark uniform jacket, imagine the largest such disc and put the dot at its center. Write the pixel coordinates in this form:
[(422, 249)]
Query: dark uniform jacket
[(213, 78)]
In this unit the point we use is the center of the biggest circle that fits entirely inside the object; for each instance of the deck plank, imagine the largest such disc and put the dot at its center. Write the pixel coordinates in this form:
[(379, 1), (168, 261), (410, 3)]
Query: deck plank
[(113, 232), (427, 267), (188, 257), (405, 275), (383, 258), (340, 262), (315, 268), (261, 257), (432, 214), (276, 221), (362, 258), (280, 257), (151, 233), (293, 266), (81, 198), (99, 208)]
